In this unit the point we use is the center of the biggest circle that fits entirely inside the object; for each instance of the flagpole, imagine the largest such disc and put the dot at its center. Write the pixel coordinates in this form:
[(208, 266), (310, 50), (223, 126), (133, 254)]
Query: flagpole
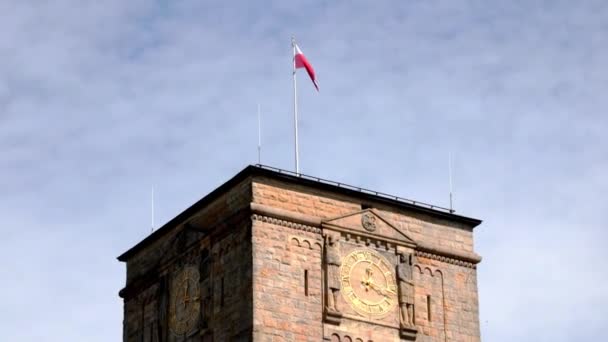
[(295, 105)]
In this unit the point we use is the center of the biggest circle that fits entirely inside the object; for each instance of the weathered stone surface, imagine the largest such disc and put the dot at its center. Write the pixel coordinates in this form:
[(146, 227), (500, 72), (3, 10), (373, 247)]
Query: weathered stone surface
[(258, 246)]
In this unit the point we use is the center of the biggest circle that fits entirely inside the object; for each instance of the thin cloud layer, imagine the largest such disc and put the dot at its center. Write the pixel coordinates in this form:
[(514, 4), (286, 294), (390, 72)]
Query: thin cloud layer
[(101, 100)]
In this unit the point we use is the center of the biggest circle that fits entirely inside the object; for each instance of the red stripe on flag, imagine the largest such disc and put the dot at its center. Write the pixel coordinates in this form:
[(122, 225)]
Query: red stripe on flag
[(302, 62)]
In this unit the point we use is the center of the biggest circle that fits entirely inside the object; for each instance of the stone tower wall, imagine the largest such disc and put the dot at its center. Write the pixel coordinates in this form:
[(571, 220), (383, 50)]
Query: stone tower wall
[(445, 274), (283, 257), (224, 252), (259, 246)]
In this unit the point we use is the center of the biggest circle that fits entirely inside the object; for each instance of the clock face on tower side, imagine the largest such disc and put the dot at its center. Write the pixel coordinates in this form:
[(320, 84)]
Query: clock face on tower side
[(368, 283), (184, 302)]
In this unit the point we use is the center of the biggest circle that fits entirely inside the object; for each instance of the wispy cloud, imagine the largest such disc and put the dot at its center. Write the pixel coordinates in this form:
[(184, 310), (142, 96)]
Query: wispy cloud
[(98, 101)]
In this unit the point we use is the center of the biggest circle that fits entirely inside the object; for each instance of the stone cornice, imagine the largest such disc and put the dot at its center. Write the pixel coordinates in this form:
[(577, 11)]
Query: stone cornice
[(285, 215), (290, 219), (285, 223), (446, 259), (464, 256)]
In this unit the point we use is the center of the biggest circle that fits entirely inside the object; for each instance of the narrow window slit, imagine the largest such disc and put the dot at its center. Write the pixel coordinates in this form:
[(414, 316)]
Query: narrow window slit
[(222, 293), (306, 283), (428, 307)]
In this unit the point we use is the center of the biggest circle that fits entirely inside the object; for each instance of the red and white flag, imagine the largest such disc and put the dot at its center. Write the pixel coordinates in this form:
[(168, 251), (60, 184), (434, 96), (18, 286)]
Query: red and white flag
[(300, 61)]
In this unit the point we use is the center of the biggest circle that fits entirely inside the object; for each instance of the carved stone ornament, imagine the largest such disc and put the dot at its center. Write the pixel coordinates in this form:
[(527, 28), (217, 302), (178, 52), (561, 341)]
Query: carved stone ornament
[(368, 221), (408, 333), (405, 279)]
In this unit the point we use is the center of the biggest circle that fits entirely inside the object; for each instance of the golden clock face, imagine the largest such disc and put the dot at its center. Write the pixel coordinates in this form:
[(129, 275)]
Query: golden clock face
[(184, 303), (368, 283)]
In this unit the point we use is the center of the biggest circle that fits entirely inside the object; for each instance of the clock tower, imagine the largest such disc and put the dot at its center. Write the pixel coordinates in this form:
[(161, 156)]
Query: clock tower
[(276, 256)]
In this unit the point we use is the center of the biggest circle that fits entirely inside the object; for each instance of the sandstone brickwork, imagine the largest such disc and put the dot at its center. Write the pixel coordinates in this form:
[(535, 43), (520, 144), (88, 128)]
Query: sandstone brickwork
[(260, 245), (216, 240)]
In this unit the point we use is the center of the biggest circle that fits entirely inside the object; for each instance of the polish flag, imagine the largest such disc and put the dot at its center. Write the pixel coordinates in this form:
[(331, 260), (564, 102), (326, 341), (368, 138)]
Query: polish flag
[(302, 62)]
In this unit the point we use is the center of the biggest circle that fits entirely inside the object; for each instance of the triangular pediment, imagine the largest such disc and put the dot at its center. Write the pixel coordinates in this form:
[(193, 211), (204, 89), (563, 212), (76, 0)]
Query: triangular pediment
[(370, 223)]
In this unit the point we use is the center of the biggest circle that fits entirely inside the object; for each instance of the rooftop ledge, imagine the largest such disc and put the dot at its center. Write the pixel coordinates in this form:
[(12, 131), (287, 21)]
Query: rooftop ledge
[(311, 181)]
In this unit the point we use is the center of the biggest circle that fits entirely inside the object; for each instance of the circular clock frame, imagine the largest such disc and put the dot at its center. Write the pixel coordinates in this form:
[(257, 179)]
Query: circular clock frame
[(184, 301), (368, 283)]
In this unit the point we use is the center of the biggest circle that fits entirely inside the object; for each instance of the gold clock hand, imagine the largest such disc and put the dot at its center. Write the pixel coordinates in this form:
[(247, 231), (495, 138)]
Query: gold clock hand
[(369, 273), (381, 291), (185, 298), (390, 291), (377, 288)]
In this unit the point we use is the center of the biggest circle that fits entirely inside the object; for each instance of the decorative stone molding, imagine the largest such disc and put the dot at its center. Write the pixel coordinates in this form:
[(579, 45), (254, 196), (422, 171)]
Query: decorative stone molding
[(333, 317), (302, 242), (469, 257), (343, 337), (408, 333), (286, 215), (378, 243), (313, 224), (368, 221), (369, 224), (284, 223), (445, 259)]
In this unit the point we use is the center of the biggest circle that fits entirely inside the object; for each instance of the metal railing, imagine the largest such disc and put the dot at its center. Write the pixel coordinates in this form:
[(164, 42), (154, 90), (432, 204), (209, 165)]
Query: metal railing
[(356, 188)]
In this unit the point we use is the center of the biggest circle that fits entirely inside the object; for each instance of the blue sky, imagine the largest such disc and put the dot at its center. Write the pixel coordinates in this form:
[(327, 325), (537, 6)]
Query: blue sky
[(101, 100)]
